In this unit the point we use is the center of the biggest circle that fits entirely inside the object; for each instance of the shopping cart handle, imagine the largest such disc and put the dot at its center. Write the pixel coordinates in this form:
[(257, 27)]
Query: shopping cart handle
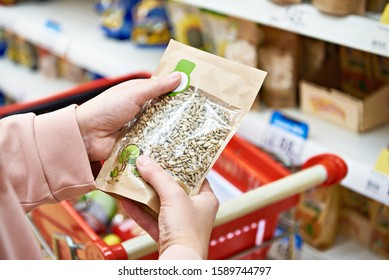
[(335, 166), (324, 169)]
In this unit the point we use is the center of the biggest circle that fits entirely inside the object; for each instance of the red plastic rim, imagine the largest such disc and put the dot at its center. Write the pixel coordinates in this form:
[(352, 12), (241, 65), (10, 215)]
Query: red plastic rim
[(336, 167)]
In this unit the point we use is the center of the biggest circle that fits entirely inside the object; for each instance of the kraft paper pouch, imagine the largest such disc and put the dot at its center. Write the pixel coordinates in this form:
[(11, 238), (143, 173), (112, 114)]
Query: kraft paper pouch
[(186, 130)]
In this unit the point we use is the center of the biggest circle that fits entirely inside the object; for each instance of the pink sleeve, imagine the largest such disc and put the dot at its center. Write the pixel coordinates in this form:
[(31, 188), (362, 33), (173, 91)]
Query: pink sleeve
[(44, 157), (179, 252)]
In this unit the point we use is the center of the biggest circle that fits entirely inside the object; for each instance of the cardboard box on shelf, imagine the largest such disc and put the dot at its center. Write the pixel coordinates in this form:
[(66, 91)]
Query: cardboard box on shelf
[(322, 96), (355, 226), (379, 242), (356, 215)]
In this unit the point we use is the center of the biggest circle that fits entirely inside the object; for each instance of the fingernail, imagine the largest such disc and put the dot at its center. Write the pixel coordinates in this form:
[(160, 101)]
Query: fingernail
[(174, 75), (144, 160)]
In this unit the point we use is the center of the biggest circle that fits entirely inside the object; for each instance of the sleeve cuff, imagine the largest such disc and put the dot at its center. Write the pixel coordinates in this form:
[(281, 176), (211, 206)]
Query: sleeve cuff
[(62, 152)]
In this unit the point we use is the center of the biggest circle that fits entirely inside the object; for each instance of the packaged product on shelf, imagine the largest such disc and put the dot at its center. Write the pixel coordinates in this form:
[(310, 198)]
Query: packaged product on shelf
[(3, 42), (150, 24), (357, 72), (184, 131), (315, 55), (287, 2), (376, 5), (318, 213), (279, 55), (47, 63), (12, 49), (380, 230), (287, 243), (186, 24), (69, 71), (356, 215), (233, 38), (380, 66), (341, 8), (8, 2), (27, 54), (2, 99), (117, 19), (91, 76), (102, 5)]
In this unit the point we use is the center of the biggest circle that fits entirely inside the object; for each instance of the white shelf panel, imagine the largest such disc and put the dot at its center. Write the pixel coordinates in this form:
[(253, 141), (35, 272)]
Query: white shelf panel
[(344, 248), (23, 84), (359, 150), (81, 39), (359, 32)]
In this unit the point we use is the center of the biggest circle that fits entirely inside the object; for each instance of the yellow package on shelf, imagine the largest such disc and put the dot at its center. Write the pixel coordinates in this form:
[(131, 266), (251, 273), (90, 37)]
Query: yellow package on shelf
[(385, 15)]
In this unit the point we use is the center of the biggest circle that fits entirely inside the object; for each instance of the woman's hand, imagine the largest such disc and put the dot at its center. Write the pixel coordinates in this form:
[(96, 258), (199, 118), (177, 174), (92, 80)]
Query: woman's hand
[(182, 220), (101, 118)]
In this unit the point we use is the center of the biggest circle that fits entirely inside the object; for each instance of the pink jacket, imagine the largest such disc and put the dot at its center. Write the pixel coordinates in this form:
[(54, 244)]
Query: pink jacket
[(43, 160)]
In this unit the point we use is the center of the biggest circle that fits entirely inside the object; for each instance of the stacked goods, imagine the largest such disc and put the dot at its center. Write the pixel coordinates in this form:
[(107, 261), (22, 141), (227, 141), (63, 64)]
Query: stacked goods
[(357, 72), (376, 5), (279, 56), (380, 230), (341, 8), (356, 215), (318, 213), (286, 2)]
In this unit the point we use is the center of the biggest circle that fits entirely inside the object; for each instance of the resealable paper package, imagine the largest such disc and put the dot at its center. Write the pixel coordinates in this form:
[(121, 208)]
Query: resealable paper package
[(186, 130)]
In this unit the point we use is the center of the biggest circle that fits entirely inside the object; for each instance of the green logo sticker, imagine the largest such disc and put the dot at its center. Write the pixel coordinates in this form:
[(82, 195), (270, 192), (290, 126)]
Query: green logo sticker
[(126, 157), (185, 68)]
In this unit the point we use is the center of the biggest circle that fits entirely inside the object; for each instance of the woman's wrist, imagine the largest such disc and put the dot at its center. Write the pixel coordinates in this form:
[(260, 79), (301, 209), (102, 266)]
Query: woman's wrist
[(179, 251)]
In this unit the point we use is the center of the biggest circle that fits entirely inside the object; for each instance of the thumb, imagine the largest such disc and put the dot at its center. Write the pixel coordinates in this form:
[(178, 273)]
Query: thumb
[(142, 90)]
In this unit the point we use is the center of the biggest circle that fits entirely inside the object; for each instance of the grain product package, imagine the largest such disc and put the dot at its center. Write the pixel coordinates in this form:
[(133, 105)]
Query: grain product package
[(185, 130)]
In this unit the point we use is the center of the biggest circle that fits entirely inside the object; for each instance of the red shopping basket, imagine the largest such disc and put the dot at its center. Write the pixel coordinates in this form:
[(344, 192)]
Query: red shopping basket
[(242, 224), (248, 168)]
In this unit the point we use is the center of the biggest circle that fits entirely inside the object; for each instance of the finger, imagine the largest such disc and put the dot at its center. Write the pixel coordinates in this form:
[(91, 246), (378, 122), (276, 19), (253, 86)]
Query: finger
[(143, 90), (142, 218), (207, 193), (162, 182), (206, 187)]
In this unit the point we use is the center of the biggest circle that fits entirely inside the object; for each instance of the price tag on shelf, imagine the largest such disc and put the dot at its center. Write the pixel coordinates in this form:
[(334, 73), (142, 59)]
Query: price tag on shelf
[(378, 186), (380, 39), (297, 15), (53, 38), (378, 182), (286, 137), (291, 16), (382, 163)]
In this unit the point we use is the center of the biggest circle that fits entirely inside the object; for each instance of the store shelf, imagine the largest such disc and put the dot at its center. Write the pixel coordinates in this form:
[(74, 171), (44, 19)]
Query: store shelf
[(80, 40), (344, 248), (359, 150), (23, 84), (358, 32)]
